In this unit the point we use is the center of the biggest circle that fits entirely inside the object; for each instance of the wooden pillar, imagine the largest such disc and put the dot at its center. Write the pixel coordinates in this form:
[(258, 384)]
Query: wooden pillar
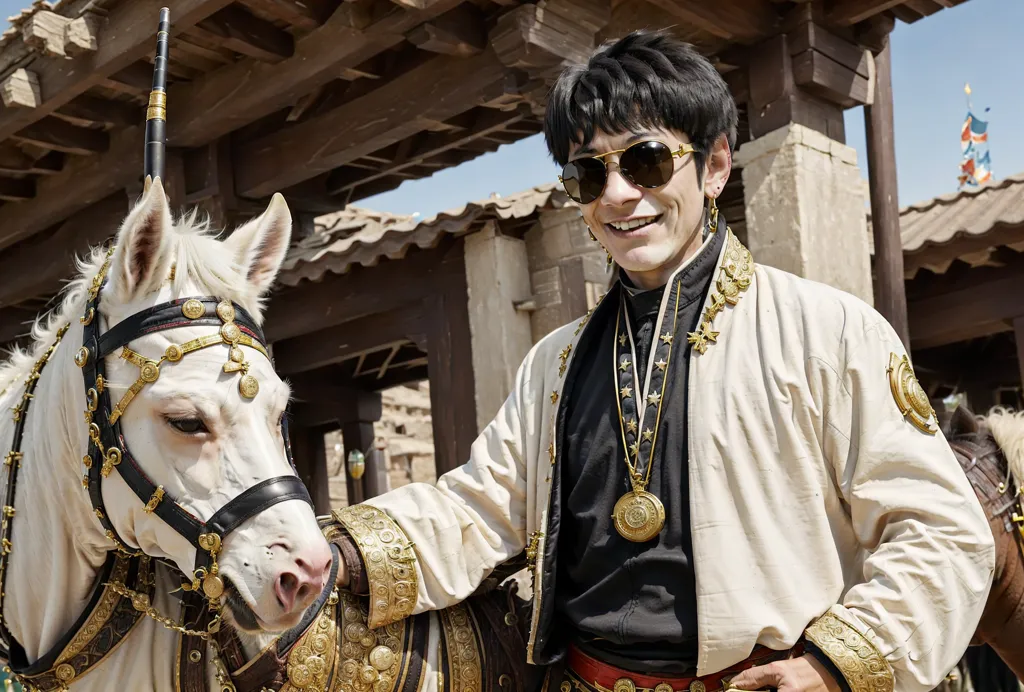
[(891, 298), (357, 435), (1018, 335), (450, 369), (310, 456)]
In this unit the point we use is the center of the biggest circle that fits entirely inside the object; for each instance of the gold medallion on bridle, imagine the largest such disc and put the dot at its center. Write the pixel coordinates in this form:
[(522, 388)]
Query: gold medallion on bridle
[(639, 516), (213, 586), (248, 387), (226, 311), (193, 309), (230, 332), (911, 399), (174, 353)]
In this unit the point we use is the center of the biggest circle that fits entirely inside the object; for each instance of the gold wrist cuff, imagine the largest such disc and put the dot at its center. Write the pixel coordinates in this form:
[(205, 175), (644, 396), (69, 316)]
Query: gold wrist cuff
[(858, 659), (389, 560)]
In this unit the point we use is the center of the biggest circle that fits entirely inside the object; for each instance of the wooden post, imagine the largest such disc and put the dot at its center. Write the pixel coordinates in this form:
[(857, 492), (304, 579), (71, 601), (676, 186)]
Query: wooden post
[(356, 435), (310, 457), (450, 369), (885, 209), (1018, 334)]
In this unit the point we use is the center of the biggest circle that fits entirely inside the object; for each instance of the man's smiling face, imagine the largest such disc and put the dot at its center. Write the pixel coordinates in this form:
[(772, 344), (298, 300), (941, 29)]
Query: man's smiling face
[(645, 230)]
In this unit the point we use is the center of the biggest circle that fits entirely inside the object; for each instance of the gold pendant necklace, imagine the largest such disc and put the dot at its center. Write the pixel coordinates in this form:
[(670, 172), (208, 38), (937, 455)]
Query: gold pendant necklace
[(639, 515)]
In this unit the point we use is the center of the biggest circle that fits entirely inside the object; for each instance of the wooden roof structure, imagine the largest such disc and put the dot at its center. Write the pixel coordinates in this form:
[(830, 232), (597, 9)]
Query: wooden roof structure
[(333, 101)]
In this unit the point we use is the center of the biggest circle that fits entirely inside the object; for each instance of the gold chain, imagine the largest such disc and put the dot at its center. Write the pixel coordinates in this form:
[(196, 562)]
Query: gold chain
[(140, 602)]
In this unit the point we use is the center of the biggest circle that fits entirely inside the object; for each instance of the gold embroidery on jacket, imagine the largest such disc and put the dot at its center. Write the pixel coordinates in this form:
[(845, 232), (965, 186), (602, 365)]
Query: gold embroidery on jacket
[(860, 662), (390, 562)]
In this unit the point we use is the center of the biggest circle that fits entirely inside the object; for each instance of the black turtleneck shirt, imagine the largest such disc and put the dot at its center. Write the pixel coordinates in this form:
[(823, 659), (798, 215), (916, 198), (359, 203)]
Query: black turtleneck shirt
[(632, 605)]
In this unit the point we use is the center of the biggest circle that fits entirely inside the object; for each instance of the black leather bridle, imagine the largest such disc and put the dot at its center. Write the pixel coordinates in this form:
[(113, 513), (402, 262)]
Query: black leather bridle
[(108, 450)]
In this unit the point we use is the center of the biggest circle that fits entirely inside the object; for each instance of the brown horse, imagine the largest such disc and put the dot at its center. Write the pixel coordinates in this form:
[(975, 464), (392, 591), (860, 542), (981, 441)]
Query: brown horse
[(991, 450)]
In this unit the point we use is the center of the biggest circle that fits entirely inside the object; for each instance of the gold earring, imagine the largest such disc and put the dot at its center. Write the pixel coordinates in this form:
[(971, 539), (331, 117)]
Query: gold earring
[(712, 215)]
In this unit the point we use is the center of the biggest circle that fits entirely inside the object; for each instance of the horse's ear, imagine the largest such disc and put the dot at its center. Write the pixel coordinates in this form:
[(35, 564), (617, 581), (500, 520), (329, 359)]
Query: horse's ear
[(142, 258), (963, 422), (261, 244)]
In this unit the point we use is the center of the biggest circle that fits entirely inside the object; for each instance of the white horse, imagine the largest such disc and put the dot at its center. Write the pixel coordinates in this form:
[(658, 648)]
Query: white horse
[(190, 432)]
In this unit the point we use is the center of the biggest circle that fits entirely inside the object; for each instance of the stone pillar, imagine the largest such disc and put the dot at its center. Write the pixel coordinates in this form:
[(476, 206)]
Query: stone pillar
[(805, 208), (568, 271), (497, 278)]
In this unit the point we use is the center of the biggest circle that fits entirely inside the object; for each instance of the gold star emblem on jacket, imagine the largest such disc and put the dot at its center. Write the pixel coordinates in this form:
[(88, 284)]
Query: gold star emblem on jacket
[(702, 337)]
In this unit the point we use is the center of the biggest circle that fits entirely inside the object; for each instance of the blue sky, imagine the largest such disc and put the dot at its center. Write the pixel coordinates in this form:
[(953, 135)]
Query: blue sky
[(977, 42)]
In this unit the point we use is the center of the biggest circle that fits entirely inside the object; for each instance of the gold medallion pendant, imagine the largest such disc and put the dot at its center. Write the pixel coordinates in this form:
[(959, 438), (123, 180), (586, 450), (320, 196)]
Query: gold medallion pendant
[(639, 516)]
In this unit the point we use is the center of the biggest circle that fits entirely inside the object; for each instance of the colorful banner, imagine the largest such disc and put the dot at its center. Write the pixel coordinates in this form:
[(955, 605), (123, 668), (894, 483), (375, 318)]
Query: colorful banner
[(975, 162)]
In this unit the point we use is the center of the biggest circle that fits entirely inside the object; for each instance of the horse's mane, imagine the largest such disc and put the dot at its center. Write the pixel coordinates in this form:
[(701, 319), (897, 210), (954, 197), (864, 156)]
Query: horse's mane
[(1007, 428), (197, 255)]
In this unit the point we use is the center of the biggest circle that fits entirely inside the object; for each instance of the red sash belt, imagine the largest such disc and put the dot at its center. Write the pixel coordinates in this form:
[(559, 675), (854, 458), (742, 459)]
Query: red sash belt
[(603, 676)]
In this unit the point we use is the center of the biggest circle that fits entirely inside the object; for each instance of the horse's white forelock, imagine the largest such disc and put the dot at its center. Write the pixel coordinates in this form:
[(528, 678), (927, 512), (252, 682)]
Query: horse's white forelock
[(1008, 430), (199, 256)]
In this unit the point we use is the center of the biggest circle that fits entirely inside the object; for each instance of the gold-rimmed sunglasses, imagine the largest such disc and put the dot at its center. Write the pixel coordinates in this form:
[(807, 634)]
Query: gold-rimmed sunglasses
[(648, 164)]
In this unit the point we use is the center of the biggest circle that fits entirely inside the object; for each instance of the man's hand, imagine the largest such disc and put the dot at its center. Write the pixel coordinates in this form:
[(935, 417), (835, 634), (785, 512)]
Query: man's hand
[(804, 674)]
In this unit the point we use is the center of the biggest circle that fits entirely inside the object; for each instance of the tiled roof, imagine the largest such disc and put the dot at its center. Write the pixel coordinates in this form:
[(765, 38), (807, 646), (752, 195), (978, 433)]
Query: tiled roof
[(357, 236), (935, 232)]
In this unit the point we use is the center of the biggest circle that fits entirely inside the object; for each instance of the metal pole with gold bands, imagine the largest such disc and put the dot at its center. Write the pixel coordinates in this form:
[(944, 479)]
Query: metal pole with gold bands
[(156, 114)]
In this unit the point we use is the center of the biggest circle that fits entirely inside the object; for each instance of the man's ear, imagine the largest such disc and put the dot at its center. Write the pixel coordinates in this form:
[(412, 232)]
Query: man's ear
[(717, 167)]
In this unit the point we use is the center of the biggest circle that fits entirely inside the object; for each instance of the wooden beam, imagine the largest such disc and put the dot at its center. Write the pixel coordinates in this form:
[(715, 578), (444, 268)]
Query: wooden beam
[(439, 89), (59, 135), (975, 310), (338, 298), (20, 89), (735, 20), (14, 190), (235, 95), (452, 386), (236, 29), (134, 80), (1018, 335), (460, 31), (849, 12), (891, 299), (82, 182), (91, 109), (127, 36), (347, 340), (41, 265), (305, 15), (482, 123), (823, 76), (775, 100)]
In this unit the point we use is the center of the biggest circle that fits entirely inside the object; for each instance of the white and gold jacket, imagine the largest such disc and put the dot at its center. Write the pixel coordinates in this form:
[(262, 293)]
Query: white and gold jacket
[(824, 502)]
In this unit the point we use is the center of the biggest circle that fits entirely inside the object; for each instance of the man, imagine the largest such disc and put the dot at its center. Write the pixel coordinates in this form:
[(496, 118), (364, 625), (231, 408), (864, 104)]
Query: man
[(726, 475)]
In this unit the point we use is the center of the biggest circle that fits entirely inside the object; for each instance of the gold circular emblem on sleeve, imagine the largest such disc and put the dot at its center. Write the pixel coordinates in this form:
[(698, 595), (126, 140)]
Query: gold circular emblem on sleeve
[(193, 309), (65, 672), (911, 399)]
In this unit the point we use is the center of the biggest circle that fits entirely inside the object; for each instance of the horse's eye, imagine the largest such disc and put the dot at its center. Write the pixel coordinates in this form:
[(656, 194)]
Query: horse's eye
[(189, 426)]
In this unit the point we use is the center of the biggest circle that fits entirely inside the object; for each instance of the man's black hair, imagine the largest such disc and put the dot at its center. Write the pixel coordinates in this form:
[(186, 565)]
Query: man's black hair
[(647, 79)]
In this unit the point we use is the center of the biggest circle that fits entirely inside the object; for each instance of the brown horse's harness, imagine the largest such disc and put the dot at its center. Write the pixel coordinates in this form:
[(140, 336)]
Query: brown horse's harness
[(123, 592), (1004, 498)]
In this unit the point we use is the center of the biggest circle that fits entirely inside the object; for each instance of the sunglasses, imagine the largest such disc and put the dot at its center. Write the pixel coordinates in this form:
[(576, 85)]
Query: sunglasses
[(646, 164)]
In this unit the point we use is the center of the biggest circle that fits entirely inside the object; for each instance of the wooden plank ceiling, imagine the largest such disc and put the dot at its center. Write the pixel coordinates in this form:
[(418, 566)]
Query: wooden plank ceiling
[(329, 101)]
